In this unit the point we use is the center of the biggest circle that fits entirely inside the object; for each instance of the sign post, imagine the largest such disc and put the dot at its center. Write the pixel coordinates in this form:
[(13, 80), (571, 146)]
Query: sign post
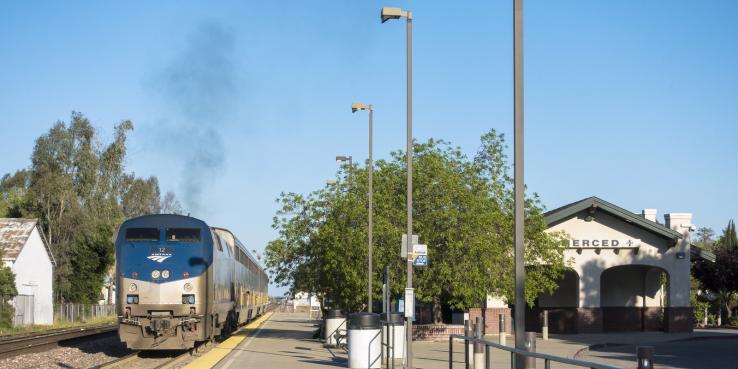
[(410, 303)]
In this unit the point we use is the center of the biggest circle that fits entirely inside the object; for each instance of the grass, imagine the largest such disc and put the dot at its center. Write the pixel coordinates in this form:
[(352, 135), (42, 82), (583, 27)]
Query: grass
[(58, 325)]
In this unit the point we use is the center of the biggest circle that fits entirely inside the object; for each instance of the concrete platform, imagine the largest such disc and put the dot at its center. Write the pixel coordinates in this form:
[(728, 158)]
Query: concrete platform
[(286, 341)]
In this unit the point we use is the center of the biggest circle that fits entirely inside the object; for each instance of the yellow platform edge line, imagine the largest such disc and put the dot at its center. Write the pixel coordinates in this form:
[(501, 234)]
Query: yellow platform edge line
[(217, 353)]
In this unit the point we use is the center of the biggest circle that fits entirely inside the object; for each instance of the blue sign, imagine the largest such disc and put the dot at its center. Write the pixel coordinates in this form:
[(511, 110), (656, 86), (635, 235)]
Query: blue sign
[(420, 260)]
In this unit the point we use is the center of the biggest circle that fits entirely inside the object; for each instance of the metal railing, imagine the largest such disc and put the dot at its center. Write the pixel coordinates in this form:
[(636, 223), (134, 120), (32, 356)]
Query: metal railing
[(82, 312), (489, 345)]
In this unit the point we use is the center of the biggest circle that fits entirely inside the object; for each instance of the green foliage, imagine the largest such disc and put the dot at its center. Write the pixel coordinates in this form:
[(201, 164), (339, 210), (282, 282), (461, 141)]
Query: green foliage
[(462, 210), (12, 194), (729, 239), (705, 238), (721, 277), (93, 254), (140, 197), (698, 304), (80, 192), (7, 292)]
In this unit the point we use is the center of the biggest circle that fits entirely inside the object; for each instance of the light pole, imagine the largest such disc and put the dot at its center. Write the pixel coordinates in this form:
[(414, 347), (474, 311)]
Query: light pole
[(397, 13), (519, 189), (354, 108), (350, 160)]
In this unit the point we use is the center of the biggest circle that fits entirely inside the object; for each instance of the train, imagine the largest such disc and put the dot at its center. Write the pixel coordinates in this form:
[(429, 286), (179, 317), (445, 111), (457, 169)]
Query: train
[(180, 281)]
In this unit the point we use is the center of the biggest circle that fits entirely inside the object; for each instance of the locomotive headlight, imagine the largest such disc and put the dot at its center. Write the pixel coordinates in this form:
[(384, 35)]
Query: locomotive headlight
[(155, 274), (132, 287), (165, 274), (188, 287), (188, 299)]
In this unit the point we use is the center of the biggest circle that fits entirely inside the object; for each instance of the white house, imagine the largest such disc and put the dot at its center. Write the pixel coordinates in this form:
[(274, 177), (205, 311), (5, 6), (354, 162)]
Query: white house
[(27, 253)]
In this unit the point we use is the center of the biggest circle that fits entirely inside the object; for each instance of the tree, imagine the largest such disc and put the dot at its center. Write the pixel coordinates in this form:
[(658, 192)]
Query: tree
[(170, 205), (705, 237), (462, 211), (80, 192), (140, 197), (729, 239), (7, 293), (13, 189), (721, 277)]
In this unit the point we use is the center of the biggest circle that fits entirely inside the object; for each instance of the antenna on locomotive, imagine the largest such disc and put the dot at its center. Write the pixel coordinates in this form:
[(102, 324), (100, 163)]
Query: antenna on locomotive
[(188, 214)]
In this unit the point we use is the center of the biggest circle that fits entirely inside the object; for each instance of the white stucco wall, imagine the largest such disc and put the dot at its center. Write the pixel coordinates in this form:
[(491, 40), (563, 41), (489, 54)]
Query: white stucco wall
[(654, 251), (34, 276), (628, 286)]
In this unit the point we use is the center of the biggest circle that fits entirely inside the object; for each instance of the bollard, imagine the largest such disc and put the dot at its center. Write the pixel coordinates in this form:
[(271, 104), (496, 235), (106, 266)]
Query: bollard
[(530, 345), (502, 330), (644, 356), (705, 318), (545, 325), (468, 350), (478, 346)]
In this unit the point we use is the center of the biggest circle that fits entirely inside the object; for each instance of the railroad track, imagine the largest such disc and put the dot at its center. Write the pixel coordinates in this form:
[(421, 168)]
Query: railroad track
[(154, 359), (34, 342)]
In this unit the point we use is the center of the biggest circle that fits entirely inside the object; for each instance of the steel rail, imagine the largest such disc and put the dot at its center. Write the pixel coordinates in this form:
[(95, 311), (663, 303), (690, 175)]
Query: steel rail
[(28, 343)]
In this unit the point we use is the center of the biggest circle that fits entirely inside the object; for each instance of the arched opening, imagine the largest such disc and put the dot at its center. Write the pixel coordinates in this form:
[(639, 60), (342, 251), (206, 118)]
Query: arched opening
[(633, 298), (561, 306)]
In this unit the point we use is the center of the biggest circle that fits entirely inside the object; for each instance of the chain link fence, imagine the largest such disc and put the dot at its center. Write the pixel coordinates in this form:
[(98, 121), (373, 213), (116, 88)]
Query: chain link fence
[(82, 312)]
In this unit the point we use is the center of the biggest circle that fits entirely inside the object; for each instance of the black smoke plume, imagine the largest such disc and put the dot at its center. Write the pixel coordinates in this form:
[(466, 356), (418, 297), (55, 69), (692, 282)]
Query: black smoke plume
[(199, 85)]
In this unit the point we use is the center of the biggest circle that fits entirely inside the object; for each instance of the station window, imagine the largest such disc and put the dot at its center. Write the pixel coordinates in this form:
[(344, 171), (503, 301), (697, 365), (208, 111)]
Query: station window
[(183, 234), (142, 234)]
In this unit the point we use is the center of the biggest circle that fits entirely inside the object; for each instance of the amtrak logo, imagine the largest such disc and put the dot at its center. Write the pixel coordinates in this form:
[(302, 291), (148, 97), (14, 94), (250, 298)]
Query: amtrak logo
[(159, 258)]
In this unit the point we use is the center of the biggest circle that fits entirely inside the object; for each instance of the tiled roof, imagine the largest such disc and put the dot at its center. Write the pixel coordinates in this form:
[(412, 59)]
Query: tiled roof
[(14, 233)]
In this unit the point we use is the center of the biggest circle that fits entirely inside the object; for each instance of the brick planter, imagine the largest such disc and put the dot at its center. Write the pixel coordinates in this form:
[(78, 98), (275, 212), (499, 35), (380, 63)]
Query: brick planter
[(435, 332), (491, 318)]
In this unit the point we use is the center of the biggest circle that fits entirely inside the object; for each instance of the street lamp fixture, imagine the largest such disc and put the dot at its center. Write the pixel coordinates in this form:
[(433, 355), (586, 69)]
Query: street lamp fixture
[(360, 106), (370, 275), (394, 13), (397, 13), (350, 160)]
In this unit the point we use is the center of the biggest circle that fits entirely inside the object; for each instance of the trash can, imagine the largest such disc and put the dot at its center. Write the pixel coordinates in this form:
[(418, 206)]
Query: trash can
[(334, 321), (393, 333), (364, 341)]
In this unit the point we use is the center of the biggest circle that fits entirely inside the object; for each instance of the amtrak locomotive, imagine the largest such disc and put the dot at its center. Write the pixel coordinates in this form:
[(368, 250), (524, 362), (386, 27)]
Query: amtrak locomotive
[(180, 281)]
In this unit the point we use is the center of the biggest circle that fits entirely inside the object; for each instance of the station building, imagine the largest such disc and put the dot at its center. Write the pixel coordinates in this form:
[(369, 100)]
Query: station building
[(628, 272)]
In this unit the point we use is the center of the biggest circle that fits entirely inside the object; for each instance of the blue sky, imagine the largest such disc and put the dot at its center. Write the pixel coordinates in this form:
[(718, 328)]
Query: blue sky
[(635, 102)]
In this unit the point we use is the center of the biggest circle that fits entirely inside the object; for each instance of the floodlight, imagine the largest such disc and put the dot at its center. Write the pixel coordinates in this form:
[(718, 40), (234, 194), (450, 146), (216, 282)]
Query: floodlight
[(360, 106), (391, 13)]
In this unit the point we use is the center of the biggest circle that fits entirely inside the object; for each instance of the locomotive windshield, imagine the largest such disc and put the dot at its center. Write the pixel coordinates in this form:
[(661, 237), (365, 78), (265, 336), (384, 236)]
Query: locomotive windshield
[(183, 234), (142, 234)]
